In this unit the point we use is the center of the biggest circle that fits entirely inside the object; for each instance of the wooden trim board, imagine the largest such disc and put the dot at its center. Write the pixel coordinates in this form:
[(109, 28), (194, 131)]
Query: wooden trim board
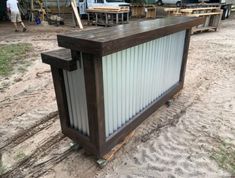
[(75, 10)]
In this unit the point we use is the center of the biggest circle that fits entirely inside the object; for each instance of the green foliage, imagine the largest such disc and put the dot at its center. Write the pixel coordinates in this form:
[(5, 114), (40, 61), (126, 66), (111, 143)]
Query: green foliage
[(138, 2), (2, 167), (20, 155), (11, 54), (224, 155)]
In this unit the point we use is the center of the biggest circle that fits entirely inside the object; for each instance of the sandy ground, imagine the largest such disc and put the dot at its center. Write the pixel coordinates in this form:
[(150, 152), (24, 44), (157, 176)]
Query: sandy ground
[(175, 141)]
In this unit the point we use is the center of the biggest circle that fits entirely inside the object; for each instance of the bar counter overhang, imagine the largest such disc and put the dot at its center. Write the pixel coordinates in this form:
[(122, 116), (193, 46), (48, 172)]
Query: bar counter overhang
[(111, 79)]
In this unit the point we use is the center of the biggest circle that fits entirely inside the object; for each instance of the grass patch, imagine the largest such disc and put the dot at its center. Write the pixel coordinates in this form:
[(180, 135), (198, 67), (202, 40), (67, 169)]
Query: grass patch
[(2, 167), (20, 155), (12, 54), (224, 156)]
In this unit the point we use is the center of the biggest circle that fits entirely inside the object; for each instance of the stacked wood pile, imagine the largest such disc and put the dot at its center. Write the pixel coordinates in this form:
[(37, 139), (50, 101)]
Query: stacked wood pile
[(137, 10), (150, 12), (173, 11), (212, 16), (147, 11)]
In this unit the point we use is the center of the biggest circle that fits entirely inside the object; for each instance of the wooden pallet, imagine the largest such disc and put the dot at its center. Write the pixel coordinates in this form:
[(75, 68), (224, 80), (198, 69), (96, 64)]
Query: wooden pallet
[(212, 21), (203, 29), (190, 10)]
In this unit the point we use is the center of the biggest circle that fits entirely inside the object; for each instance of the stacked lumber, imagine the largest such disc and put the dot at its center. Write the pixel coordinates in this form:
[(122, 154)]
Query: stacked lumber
[(172, 11), (189, 11), (199, 10), (197, 5), (109, 9)]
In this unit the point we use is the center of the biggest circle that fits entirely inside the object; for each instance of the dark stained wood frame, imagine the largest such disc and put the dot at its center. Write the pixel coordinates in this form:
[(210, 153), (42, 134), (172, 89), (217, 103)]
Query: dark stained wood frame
[(97, 143), (61, 58), (105, 43)]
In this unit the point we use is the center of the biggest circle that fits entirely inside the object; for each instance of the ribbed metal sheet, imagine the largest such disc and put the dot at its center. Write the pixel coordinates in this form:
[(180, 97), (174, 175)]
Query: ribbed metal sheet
[(76, 98), (136, 77)]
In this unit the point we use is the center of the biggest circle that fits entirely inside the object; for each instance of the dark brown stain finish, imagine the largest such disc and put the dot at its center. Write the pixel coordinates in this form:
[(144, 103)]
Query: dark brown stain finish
[(102, 42), (94, 44)]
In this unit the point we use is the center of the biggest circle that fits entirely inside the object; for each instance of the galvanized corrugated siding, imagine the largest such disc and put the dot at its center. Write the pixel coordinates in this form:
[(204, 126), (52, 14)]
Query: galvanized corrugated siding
[(136, 77), (76, 98)]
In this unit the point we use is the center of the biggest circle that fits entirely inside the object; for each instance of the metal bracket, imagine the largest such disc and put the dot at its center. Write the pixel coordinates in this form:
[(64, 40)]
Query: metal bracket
[(102, 163), (77, 56)]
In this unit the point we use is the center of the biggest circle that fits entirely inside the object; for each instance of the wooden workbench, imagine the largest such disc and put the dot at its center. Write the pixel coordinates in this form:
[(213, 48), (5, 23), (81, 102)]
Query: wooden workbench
[(108, 17)]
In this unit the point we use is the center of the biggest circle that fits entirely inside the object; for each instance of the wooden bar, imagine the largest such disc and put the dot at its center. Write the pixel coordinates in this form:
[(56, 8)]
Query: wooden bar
[(99, 43), (61, 58), (121, 75)]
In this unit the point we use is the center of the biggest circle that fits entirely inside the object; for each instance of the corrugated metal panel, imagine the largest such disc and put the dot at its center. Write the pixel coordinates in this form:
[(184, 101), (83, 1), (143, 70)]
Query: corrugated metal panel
[(76, 98), (136, 77)]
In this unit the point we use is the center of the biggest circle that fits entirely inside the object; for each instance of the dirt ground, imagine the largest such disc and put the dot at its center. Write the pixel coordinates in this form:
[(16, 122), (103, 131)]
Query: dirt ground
[(193, 137)]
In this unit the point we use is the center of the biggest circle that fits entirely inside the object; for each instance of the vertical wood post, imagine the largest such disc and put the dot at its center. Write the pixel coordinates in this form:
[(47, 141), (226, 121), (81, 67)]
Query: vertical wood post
[(95, 100)]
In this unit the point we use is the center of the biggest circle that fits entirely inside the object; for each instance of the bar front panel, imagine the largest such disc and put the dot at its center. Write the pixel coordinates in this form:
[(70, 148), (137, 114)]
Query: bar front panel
[(76, 98), (136, 77)]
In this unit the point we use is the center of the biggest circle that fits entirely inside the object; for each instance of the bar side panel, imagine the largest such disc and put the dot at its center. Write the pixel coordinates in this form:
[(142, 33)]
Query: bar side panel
[(136, 77), (76, 98)]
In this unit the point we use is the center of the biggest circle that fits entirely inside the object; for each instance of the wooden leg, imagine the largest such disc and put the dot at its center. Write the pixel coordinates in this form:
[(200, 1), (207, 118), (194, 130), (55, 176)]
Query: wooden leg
[(112, 19), (109, 156), (116, 18), (74, 22), (96, 19), (106, 19), (88, 18), (122, 17), (127, 17)]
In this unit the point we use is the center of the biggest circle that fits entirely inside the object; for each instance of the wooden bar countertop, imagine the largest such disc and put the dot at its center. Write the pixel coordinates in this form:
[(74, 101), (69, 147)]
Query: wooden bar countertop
[(104, 41)]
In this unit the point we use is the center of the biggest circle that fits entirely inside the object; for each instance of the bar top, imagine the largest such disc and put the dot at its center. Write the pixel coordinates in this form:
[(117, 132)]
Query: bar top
[(60, 58), (104, 41)]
